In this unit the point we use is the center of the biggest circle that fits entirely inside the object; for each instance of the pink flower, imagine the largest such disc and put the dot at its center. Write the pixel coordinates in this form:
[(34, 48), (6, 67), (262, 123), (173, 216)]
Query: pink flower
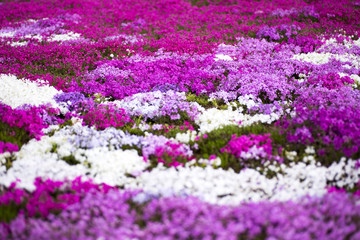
[(212, 157)]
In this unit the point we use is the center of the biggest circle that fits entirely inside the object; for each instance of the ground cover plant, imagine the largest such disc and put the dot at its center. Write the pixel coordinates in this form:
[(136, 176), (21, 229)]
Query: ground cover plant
[(180, 119)]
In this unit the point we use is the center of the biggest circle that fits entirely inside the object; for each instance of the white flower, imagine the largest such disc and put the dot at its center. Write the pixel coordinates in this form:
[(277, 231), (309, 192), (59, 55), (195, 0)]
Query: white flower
[(16, 92), (65, 37), (222, 57), (186, 137)]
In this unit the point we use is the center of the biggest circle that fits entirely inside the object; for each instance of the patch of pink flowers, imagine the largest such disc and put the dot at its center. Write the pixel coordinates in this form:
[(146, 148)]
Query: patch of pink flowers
[(247, 147), (33, 119), (8, 147), (49, 196), (331, 81), (171, 153), (106, 115)]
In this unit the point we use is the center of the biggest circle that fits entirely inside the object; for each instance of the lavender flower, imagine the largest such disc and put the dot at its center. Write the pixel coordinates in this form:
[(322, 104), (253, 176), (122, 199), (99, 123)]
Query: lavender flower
[(70, 100)]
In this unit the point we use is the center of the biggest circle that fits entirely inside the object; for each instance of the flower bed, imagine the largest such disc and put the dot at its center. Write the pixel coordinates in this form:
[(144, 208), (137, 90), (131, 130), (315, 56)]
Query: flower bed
[(189, 119)]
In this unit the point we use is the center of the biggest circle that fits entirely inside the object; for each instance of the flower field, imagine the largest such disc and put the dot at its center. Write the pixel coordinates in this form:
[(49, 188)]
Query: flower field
[(180, 119)]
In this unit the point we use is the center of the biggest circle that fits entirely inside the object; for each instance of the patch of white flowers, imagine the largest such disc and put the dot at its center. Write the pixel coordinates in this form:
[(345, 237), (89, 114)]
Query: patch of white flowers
[(186, 137), (44, 158), (16, 92), (227, 187), (64, 37), (28, 167), (223, 57), (6, 34), (354, 77), (213, 118), (19, 44), (322, 56), (114, 166)]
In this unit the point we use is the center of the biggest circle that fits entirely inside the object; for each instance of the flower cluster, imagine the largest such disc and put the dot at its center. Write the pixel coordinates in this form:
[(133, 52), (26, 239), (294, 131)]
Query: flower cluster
[(277, 33), (17, 92), (327, 117), (169, 152), (49, 196), (331, 81), (217, 119), (70, 100), (112, 213), (106, 115), (8, 147), (152, 105), (249, 147), (32, 119)]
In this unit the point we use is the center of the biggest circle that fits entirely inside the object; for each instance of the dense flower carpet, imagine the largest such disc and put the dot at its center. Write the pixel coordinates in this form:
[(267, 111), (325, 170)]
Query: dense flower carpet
[(180, 119)]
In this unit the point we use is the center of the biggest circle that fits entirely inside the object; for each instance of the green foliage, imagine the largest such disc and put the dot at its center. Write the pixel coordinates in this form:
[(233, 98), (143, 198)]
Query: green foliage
[(139, 209), (150, 48), (71, 160), (98, 98), (8, 161), (133, 131), (204, 101), (199, 3), (9, 211), (13, 135), (132, 147), (168, 131), (219, 138), (54, 148), (66, 123), (60, 70)]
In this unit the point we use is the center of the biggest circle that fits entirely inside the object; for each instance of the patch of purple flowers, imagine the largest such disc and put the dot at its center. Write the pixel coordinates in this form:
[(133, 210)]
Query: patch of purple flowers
[(113, 214), (71, 100)]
